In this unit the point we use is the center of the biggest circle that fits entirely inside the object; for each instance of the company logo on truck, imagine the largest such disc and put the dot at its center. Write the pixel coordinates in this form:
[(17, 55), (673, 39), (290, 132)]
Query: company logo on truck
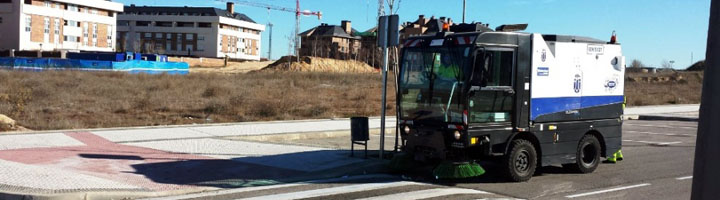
[(543, 71), (578, 83), (611, 84)]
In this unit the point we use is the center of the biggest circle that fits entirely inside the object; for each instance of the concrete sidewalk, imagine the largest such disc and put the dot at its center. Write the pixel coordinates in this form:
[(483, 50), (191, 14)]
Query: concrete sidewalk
[(156, 161)]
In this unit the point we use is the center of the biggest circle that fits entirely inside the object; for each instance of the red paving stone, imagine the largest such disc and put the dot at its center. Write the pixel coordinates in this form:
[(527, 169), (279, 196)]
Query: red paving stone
[(148, 168)]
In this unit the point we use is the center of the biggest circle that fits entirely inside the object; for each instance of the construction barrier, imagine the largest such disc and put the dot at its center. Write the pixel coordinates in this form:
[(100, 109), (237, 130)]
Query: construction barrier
[(132, 66)]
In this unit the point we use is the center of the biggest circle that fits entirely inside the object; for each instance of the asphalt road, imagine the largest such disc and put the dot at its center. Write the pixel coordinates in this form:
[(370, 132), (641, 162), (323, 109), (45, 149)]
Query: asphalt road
[(658, 165)]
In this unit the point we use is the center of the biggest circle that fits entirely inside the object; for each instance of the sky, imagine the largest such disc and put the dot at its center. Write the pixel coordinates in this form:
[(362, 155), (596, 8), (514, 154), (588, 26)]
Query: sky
[(652, 31)]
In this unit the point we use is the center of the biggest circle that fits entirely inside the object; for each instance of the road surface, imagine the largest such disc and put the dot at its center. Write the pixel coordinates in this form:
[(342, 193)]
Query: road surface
[(658, 165)]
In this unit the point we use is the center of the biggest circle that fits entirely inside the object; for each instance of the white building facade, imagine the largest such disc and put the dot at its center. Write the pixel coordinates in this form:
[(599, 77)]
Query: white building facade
[(55, 25), (189, 31)]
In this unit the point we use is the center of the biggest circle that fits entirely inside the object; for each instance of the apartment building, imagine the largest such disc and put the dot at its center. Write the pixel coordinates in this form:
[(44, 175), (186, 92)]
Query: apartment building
[(330, 41), (55, 25), (190, 31)]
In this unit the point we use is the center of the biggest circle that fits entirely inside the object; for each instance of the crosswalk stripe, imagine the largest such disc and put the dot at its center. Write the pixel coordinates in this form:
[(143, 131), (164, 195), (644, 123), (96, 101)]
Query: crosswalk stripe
[(334, 191), (429, 193), (258, 188)]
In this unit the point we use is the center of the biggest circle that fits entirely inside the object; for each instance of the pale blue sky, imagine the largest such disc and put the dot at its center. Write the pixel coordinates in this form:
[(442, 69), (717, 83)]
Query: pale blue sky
[(650, 30)]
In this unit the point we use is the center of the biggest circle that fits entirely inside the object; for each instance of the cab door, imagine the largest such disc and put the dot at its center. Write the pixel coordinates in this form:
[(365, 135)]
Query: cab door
[(491, 100)]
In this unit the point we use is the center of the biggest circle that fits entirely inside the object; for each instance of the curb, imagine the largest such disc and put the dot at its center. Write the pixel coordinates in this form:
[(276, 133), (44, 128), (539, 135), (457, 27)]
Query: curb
[(303, 135), (668, 118), (110, 195)]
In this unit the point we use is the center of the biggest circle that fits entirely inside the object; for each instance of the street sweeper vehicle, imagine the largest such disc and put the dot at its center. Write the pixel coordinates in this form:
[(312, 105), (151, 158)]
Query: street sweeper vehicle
[(529, 99)]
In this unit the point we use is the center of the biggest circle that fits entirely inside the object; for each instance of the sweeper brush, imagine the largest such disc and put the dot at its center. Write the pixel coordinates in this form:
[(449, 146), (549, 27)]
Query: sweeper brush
[(451, 170)]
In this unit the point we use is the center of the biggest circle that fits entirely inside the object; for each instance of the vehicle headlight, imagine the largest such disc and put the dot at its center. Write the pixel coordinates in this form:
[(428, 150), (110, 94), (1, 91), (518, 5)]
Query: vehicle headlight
[(406, 130), (457, 135)]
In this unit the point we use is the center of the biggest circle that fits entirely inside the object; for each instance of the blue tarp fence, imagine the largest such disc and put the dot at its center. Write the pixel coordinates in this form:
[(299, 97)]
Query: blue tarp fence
[(132, 66)]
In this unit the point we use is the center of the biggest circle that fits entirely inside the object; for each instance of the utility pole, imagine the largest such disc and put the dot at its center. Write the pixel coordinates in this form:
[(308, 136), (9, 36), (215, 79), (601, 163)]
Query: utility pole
[(692, 58), (270, 25), (464, 3), (706, 176), (297, 30)]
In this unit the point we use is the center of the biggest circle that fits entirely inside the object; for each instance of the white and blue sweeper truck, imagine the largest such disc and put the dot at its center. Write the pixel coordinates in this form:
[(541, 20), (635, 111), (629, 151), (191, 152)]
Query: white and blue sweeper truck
[(526, 100)]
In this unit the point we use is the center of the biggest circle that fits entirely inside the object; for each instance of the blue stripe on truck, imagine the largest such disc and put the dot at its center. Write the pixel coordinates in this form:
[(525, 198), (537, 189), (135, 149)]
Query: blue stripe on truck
[(544, 106)]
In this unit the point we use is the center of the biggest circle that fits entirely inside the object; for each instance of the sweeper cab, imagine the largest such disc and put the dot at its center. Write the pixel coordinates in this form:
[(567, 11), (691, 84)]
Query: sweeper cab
[(530, 99)]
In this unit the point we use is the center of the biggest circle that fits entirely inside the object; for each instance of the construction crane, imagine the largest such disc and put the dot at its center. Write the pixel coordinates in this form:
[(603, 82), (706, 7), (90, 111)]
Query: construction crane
[(298, 13)]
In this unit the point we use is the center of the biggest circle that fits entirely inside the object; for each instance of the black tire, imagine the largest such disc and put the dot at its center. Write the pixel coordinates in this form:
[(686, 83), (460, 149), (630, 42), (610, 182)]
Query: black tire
[(521, 161), (587, 157)]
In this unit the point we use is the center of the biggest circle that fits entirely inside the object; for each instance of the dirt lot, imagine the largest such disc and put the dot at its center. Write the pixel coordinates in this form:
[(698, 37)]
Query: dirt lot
[(214, 65), (663, 88), (68, 100)]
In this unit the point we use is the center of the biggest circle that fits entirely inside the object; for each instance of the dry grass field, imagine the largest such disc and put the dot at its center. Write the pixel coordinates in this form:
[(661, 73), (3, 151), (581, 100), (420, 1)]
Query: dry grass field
[(663, 88), (71, 100)]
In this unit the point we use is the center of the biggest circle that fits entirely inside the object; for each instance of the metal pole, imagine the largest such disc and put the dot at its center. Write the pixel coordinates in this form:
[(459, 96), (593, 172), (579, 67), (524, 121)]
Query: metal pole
[(464, 11), (706, 176), (384, 91), (297, 30), (270, 42)]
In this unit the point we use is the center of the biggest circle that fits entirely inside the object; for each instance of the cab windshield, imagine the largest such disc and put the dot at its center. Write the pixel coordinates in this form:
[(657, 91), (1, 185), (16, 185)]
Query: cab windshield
[(431, 82)]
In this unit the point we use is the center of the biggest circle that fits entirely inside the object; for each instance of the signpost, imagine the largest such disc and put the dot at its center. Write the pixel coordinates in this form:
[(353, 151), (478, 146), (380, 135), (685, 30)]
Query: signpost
[(388, 35), (706, 176)]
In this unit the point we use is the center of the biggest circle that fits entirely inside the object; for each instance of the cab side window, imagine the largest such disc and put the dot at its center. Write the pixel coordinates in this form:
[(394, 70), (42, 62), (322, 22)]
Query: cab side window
[(493, 69)]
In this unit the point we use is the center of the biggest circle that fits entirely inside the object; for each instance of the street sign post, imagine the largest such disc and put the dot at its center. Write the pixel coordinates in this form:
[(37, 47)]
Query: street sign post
[(388, 35), (706, 176)]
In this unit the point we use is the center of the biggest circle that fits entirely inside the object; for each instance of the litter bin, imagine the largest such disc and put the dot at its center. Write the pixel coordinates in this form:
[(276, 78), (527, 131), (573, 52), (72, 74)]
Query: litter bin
[(359, 133)]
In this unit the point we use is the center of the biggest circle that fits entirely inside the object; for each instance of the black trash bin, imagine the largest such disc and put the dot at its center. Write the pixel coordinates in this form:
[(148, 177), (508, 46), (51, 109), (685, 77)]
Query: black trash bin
[(359, 133)]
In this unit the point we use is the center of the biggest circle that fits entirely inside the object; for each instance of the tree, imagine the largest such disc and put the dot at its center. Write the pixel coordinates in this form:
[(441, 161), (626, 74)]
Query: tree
[(637, 64), (666, 64)]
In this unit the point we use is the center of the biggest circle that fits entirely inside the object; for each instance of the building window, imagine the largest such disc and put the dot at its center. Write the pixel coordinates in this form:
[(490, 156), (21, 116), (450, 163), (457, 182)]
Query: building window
[(204, 25), (200, 48), (168, 45), (159, 36), (190, 47), (85, 34), (179, 47), (72, 7), (57, 26), (186, 24), (95, 31), (163, 24), (168, 37), (189, 36), (47, 25), (142, 23), (201, 38), (28, 24), (123, 23), (48, 4), (1, 20), (109, 35)]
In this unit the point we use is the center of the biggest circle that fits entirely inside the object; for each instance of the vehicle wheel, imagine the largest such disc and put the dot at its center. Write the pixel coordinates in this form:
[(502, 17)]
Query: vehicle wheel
[(521, 161), (588, 155)]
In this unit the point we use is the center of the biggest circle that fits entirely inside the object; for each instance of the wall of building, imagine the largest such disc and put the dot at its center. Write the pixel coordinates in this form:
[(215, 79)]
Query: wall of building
[(206, 41), (54, 25)]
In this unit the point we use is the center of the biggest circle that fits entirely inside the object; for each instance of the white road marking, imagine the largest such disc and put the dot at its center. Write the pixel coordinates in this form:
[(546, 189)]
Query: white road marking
[(653, 143), (608, 190), (666, 134), (258, 188), (683, 178), (425, 194), (334, 190)]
